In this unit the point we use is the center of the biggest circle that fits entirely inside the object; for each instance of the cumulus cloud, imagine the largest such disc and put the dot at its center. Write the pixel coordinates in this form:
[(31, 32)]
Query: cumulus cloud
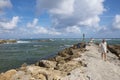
[(4, 4), (73, 29), (33, 24), (43, 30), (10, 24), (66, 13), (90, 21), (60, 7), (37, 29), (116, 22), (63, 8)]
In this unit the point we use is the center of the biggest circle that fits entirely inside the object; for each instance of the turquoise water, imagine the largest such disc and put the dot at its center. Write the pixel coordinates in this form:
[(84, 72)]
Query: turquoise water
[(32, 50)]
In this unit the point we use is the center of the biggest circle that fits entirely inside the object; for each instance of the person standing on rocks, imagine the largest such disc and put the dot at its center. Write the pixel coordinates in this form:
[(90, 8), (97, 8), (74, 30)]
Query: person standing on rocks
[(103, 49)]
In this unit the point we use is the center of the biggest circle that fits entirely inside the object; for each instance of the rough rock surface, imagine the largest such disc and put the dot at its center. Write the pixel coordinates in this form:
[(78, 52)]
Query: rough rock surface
[(46, 64), (7, 75), (115, 49)]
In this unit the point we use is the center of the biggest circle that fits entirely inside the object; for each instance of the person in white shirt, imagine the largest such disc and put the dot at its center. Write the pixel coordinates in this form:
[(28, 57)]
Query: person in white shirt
[(103, 48), (91, 41)]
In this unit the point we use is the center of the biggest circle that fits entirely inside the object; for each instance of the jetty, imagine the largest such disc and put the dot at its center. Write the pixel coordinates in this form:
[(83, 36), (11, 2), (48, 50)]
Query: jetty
[(70, 64)]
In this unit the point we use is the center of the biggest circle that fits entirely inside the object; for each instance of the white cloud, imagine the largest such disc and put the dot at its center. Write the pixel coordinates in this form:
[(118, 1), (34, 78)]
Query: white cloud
[(37, 29), (55, 33), (43, 30), (72, 12), (33, 24), (90, 21), (116, 22), (10, 24), (40, 30), (73, 29), (55, 6), (63, 8), (4, 4)]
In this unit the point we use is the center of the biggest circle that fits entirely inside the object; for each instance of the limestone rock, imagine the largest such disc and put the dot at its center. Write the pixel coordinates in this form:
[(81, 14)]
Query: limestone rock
[(46, 63), (44, 73), (59, 58), (21, 75), (40, 76), (8, 75)]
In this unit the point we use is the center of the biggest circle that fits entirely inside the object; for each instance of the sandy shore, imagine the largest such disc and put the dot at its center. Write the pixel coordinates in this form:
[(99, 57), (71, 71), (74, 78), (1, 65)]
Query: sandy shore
[(86, 65)]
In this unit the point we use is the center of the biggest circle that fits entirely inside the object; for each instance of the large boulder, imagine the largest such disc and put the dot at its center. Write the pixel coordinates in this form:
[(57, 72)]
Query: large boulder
[(7, 75), (44, 73), (66, 52), (46, 64), (59, 58)]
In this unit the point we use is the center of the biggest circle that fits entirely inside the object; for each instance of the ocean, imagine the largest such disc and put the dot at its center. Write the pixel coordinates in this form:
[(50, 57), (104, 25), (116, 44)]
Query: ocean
[(13, 55)]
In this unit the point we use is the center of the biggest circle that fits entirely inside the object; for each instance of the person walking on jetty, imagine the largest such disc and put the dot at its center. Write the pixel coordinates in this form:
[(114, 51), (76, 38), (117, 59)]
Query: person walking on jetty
[(103, 49), (91, 42)]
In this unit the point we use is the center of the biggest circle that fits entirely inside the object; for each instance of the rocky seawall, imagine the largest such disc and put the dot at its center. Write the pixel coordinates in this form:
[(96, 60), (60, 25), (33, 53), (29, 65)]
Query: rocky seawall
[(115, 49), (52, 69)]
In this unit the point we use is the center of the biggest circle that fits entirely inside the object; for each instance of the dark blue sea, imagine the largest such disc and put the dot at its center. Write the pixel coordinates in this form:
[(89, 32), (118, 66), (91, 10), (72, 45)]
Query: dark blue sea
[(13, 55)]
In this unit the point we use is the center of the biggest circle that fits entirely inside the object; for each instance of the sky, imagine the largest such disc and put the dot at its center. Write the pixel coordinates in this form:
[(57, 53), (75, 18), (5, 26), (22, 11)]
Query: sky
[(59, 18)]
